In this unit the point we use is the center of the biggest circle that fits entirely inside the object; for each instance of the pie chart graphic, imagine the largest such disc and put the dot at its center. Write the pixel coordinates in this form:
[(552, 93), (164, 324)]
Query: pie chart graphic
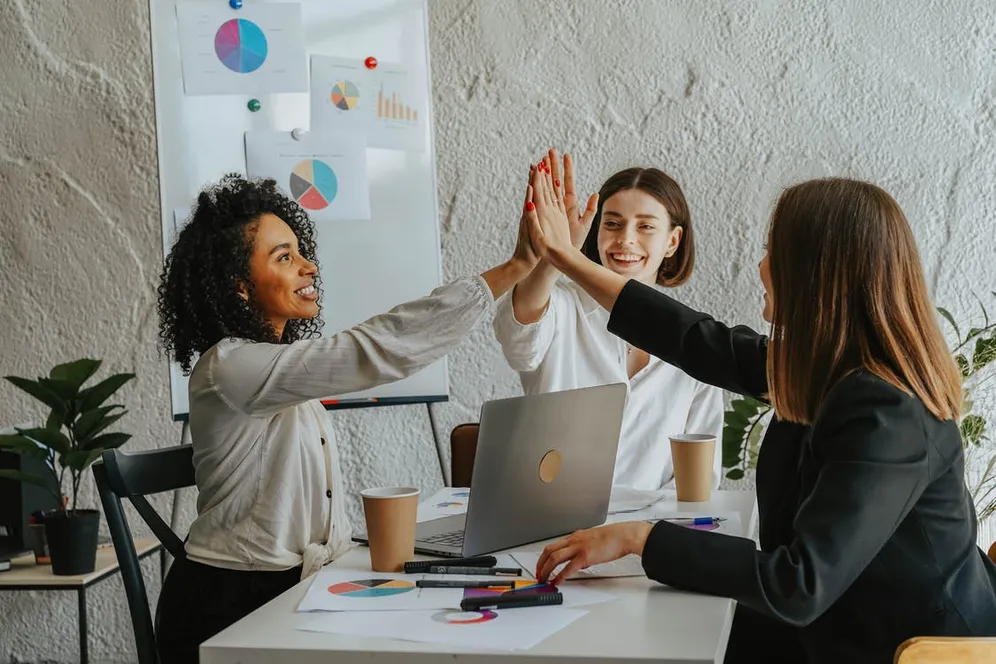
[(345, 95), (464, 617), (240, 45), (371, 588), (313, 184)]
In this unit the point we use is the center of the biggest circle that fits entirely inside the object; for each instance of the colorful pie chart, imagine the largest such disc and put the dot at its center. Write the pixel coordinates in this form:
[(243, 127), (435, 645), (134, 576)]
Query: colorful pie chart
[(313, 184), (345, 95), (464, 617), (371, 588), (240, 45)]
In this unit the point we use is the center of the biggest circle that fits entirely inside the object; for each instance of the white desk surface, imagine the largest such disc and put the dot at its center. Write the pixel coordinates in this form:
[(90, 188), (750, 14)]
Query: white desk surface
[(647, 621)]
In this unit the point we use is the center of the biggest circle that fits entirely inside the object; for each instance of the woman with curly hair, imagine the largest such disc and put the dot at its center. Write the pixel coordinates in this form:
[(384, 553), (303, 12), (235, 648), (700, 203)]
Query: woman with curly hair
[(239, 311)]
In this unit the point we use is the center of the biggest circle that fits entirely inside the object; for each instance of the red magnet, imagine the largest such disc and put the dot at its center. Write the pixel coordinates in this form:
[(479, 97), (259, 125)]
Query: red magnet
[(371, 62)]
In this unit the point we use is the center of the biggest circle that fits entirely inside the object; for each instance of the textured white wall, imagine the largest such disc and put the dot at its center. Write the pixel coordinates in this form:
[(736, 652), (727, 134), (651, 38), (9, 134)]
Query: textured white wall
[(735, 99)]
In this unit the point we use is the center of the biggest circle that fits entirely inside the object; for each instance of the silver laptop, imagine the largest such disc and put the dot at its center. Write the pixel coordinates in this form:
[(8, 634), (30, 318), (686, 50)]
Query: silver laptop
[(543, 468)]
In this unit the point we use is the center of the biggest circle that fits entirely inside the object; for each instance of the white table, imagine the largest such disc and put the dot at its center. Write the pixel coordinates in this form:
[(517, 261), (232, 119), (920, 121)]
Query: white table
[(647, 621)]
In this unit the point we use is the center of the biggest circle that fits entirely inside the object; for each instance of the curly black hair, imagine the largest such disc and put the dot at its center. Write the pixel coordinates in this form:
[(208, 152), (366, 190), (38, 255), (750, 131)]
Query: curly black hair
[(199, 301)]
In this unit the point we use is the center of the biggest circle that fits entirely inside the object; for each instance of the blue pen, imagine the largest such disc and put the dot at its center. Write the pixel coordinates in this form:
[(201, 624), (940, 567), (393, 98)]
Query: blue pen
[(696, 521)]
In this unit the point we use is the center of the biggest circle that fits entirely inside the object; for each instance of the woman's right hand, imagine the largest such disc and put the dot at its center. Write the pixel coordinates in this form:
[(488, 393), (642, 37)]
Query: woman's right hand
[(549, 227), (580, 220)]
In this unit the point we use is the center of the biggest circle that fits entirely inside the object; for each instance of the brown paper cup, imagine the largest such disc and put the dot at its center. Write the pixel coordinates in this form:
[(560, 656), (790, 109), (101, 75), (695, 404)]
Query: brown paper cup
[(692, 455), (390, 513)]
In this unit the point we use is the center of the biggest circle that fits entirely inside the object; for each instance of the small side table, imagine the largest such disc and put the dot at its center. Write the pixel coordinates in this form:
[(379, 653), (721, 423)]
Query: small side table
[(24, 574)]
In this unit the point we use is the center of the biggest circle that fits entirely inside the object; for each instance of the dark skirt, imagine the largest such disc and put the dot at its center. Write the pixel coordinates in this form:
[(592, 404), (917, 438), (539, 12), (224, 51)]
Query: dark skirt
[(198, 601)]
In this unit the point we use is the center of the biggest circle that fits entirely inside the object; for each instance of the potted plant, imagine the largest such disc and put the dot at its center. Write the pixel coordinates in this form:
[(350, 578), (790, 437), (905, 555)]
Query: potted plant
[(974, 353), (74, 436)]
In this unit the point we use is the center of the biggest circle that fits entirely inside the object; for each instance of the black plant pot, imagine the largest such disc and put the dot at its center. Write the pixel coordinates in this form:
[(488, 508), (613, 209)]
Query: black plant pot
[(72, 541)]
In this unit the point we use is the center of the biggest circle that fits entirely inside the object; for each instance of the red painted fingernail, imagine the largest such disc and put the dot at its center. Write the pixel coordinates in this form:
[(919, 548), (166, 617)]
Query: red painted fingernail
[(530, 206), (556, 183)]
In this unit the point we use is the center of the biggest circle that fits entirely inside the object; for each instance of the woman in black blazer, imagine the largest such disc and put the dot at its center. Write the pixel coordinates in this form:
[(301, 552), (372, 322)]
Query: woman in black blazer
[(867, 530)]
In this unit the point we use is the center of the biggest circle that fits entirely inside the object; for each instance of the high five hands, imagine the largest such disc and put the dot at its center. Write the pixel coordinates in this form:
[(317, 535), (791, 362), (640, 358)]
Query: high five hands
[(555, 222)]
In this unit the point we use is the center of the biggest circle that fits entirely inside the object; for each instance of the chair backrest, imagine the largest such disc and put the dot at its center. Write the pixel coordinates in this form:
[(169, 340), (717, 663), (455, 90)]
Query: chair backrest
[(135, 475), (463, 449), (946, 650)]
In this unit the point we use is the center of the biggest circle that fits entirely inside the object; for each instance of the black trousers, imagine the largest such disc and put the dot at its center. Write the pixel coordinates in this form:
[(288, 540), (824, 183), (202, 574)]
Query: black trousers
[(756, 639), (198, 601)]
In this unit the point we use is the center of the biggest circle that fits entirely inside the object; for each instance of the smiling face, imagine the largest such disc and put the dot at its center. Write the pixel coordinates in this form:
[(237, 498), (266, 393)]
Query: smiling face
[(635, 235), (283, 281)]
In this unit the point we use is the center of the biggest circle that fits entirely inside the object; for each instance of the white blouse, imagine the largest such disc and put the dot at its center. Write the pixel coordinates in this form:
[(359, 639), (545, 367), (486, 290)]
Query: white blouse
[(570, 347), (265, 455)]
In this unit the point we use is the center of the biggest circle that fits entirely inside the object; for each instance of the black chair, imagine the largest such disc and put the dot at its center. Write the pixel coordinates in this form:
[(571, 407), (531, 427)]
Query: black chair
[(134, 476)]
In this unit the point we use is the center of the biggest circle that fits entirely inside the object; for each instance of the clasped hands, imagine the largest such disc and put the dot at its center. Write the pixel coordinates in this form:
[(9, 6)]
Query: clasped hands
[(552, 224)]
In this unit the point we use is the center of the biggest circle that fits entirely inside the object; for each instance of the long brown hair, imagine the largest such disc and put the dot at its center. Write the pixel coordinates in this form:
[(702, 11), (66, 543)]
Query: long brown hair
[(676, 269), (848, 293)]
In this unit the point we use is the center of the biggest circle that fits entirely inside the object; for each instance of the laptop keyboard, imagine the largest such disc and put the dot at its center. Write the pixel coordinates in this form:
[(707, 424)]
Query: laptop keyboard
[(454, 538)]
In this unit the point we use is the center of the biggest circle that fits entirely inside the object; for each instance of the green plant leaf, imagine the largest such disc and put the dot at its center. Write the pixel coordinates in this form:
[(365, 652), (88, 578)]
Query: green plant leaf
[(21, 445), (53, 439), (731, 448), (985, 314), (55, 420), (66, 390), (79, 460), (973, 332), (76, 373), (754, 444), (744, 408), (735, 474), (94, 421), (736, 421), (107, 441), (972, 428), (963, 365), (92, 397), (39, 391), (985, 352), (949, 318)]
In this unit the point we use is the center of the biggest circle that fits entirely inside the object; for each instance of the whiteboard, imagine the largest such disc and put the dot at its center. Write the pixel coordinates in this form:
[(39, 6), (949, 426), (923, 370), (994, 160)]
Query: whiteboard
[(367, 266)]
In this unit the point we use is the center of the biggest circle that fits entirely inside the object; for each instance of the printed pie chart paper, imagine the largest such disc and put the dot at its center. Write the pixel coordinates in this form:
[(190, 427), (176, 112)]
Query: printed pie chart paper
[(325, 172)]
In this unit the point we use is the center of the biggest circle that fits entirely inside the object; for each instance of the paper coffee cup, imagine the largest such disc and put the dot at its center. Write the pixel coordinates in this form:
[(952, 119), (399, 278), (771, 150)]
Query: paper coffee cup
[(692, 455), (390, 513)]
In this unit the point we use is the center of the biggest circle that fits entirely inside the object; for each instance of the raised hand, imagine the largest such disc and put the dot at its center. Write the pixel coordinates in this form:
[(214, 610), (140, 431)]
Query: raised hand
[(579, 220), (524, 252), (549, 227)]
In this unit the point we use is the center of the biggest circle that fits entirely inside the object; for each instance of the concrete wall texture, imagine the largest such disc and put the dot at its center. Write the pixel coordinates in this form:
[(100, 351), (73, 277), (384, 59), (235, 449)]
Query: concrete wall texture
[(735, 99)]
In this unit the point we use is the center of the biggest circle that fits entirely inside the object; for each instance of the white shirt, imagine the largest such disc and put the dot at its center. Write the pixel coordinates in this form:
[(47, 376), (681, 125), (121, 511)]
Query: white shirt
[(570, 347), (265, 455)]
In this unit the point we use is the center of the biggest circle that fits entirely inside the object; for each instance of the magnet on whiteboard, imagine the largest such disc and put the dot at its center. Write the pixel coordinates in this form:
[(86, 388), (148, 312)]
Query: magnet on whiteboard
[(371, 62), (235, 4), (297, 133)]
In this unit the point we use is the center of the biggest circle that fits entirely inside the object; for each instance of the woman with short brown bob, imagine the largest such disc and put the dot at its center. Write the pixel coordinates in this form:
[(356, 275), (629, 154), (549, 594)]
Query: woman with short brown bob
[(867, 531), (555, 335)]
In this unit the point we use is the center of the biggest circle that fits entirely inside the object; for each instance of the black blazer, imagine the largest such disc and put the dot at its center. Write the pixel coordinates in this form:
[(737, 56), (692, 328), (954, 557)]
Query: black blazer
[(867, 530)]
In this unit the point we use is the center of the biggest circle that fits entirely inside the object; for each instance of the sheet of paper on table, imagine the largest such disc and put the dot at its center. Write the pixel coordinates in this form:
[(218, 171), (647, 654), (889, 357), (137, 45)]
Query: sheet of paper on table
[(507, 629), (445, 502), (624, 499)]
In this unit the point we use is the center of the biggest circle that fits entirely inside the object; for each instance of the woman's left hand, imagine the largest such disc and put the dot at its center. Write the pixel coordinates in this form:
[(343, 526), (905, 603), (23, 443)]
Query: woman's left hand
[(592, 547)]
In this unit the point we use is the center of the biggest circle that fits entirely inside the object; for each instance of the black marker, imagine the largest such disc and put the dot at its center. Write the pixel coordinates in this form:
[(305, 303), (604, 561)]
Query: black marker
[(456, 583), (511, 600), (476, 571), (418, 566)]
